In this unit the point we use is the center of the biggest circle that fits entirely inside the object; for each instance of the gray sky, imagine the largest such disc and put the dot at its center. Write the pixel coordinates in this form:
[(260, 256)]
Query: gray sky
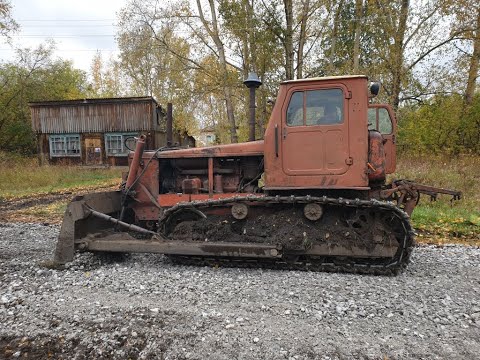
[(79, 28)]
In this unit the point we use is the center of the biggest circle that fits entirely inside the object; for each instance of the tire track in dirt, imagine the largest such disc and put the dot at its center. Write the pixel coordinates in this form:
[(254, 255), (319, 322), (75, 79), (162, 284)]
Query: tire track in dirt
[(12, 210)]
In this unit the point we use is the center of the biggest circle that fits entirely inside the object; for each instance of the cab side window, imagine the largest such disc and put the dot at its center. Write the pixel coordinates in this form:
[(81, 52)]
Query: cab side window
[(315, 107), (372, 119), (295, 109), (384, 122), (379, 119)]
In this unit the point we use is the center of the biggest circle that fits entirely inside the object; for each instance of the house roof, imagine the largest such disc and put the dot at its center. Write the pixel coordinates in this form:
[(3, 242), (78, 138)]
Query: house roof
[(92, 101), (97, 115)]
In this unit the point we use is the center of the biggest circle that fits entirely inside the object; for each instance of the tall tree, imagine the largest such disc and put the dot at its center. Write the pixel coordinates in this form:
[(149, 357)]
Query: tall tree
[(156, 61), (358, 29), (297, 26), (106, 77), (33, 76), (412, 34), (7, 23), (212, 27), (474, 61)]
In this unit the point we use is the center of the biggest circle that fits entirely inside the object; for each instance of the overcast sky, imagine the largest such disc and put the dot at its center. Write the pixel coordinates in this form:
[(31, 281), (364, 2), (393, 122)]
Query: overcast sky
[(79, 28)]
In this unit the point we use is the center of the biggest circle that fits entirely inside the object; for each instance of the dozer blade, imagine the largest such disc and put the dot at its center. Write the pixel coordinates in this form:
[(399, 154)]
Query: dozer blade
[(78, 222)]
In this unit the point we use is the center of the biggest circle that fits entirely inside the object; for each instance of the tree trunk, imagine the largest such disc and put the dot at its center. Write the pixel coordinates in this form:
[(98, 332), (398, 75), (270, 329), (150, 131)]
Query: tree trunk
[(336, 17), (474, 64), (356, 43), (398, 59), (227, 91), (289, 52), (303, 38)]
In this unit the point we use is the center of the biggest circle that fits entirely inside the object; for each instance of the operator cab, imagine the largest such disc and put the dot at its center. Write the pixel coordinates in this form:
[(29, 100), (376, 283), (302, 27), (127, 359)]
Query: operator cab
[(317, 135)]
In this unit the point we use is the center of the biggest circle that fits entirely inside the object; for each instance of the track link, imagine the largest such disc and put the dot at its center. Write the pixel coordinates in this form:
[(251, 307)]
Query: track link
[(404, 235)]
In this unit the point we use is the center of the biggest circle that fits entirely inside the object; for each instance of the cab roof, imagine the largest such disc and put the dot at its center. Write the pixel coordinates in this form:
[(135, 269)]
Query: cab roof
[(326, 78)]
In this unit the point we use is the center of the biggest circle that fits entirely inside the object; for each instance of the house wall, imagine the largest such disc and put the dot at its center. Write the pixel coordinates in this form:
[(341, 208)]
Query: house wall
[(91, 119), (90, 143)]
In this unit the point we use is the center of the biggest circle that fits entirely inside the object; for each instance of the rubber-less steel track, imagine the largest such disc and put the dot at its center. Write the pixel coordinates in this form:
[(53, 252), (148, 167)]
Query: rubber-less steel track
[(386, 266)]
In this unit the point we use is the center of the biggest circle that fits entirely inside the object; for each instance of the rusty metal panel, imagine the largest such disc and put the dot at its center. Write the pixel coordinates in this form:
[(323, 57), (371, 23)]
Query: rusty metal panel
[(94, 115), (346, 171)]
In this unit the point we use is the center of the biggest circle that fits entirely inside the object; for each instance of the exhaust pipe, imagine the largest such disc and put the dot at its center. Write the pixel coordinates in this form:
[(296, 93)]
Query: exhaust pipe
[(252, 82), (137, 157)]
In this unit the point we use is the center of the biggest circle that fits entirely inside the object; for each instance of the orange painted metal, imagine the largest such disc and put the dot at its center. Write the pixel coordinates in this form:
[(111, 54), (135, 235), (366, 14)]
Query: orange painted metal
[(168, 200), (146, 190), (321, 156), (376, 157), (132, 175), (191, 186), (253, 148)]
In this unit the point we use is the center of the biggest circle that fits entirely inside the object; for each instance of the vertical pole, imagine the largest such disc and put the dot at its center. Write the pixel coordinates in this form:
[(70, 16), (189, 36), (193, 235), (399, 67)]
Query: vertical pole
[(251, 136), (210, 177), (169, 124)]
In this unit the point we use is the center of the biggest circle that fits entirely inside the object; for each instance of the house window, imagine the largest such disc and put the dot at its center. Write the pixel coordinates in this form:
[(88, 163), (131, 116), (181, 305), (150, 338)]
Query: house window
[(64, 145), (118, 144), (210, 139)]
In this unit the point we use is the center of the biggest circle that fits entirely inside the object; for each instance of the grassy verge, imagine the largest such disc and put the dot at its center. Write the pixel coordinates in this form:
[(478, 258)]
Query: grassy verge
[(22, 177), (443, 221)]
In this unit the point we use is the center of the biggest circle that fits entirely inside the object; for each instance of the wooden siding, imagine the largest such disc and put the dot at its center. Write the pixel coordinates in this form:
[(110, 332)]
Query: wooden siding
[(43, 151), (92, 117)]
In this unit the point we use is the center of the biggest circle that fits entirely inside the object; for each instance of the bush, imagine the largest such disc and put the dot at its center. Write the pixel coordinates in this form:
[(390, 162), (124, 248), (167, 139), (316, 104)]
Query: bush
[(442, 125)]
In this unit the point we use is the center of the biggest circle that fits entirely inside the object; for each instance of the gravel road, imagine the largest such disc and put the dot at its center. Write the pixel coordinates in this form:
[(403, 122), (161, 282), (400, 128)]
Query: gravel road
[(142, 306)]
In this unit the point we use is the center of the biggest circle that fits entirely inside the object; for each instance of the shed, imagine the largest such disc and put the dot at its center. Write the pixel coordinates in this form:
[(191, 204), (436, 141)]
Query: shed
[(98, 131)]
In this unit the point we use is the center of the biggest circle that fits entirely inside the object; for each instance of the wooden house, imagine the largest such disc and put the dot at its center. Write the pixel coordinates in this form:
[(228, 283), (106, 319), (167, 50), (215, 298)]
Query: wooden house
[(98, 131)]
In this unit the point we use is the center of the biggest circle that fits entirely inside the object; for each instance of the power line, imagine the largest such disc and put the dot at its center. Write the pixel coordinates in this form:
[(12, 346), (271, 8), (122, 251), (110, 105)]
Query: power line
[(64, 20), (63, 36), (64, 50), (65, 26)]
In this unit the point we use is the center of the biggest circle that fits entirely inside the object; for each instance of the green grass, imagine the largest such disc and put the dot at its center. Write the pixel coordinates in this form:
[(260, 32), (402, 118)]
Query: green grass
[(443, 219), (23, 177)]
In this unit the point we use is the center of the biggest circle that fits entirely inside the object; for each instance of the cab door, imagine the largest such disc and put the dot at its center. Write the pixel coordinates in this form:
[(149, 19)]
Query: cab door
[(382, 119), (315, 137)]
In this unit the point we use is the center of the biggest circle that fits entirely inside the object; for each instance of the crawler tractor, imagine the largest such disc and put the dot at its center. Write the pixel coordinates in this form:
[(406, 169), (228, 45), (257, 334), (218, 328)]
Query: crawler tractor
[(311, 195)]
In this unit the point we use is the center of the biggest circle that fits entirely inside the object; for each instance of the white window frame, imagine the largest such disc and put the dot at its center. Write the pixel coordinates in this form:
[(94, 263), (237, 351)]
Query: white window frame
[(70, 145), (119, 151)]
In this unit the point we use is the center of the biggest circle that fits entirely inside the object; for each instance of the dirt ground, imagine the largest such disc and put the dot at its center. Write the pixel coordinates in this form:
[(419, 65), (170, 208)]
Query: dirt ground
[(38, 208)]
